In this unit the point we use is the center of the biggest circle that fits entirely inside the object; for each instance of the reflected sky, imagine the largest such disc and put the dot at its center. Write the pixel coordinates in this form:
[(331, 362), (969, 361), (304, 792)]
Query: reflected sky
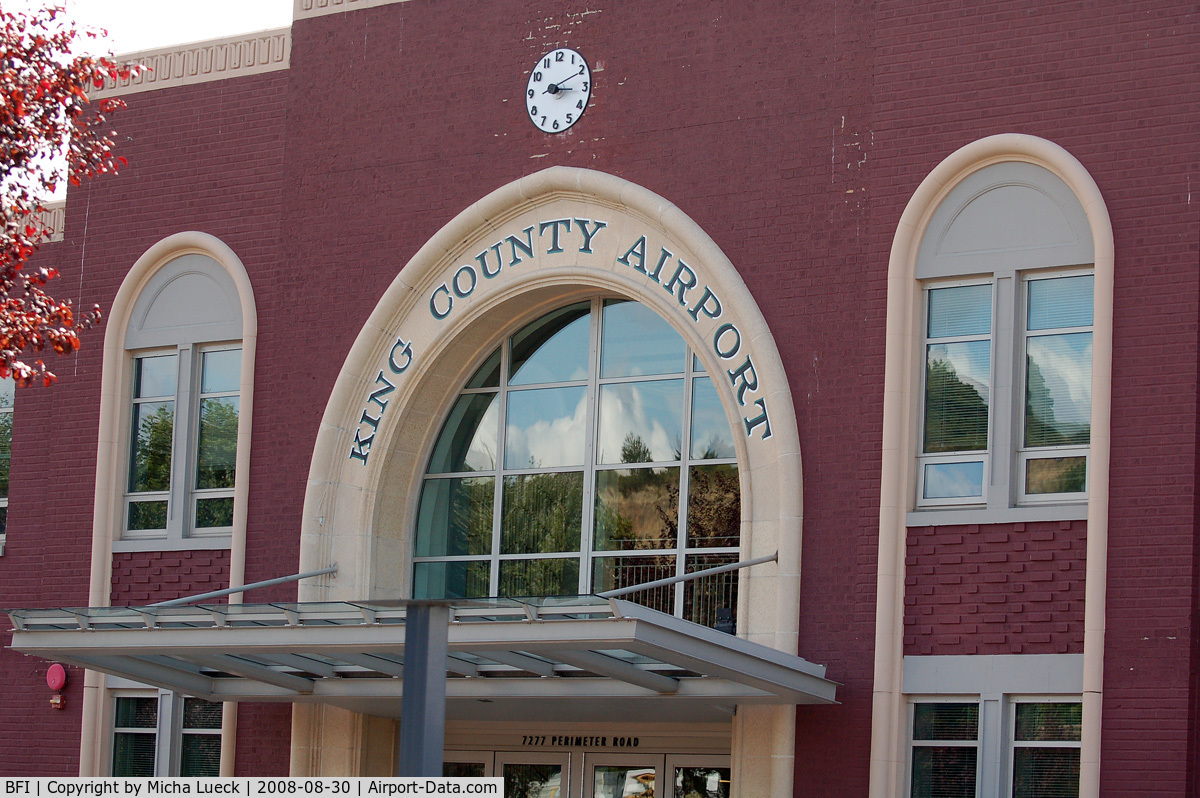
[(637, 341), (711, 437), (468, 439), (545, 427), (552, 349), (1065, 364), (222, 371), (651, 412), (953, 480)]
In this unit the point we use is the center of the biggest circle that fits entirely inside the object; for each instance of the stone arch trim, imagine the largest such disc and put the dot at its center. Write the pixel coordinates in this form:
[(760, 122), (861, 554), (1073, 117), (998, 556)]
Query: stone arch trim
[(468, 287), (887, 735), (116, 380)]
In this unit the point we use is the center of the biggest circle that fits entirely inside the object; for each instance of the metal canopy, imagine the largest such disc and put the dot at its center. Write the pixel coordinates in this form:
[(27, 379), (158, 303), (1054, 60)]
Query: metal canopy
[(576, 658)]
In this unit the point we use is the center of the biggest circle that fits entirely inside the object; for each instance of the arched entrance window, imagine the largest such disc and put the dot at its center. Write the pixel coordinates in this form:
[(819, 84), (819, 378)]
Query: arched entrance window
[(589, 452)]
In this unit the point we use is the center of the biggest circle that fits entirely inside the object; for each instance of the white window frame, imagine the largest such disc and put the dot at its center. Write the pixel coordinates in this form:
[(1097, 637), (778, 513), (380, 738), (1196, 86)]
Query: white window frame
[(10, 410), (995, 740), (168, 731), (1004, 459), (182, 495)]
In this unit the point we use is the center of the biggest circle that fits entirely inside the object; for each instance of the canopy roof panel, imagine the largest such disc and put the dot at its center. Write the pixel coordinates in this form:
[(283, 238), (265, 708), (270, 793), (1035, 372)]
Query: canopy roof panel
[(548, 659)]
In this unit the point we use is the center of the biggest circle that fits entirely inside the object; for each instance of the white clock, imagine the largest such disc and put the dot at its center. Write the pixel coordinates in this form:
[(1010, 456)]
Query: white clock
[(560, 85)]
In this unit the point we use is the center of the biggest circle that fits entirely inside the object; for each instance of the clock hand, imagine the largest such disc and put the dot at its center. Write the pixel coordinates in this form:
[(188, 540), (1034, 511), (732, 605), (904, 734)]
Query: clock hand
[(555, 88)]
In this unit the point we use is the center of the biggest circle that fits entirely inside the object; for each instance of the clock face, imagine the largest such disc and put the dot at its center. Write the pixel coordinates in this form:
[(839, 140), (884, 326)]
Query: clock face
[(558, 91)]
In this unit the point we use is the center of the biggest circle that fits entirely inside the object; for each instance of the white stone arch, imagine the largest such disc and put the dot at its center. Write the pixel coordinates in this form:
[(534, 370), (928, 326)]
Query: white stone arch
[(902, 371), (358, 511), (149, 275)]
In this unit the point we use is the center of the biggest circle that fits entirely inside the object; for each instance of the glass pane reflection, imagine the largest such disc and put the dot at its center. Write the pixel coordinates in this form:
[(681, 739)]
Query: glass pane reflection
[(1058, 390), (636, 341), (153, 428), (155, 376), (544, 428), (636, 508), (702, 782), (459, 579), (542, 514), (1061, 302), (957, 393), (468, 438), (221, 371), (640, 422), (552, 349), (544, 577), (216, 453), (961, 310), (1056, 475), (532, 781), (455, 517), (615, 781), (714, 506), (953, 480), (711, 437)]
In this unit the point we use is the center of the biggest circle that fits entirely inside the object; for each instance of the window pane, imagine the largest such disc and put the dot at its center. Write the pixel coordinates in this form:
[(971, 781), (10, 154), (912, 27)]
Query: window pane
[(488, 375), (468, 438), (943, 772), (636, 341), (216, 449), (6, 428), (153, 428), (1041, 722), (463, 770), (640, 422), (1045, 772), (1056, 475), (3, 520), (953, 480), (1060, 302), (615, 573), (946, 721), (222, 371), (550, 577), (711, 437), (211, 513), (532, 781), (147, 515), (435, 580), (133, 754), (198, 714), (155, 376), (706, 597), (552, 349), (455, 517), (1058, 390), (545, 428), (139, 712), (714, 506), (542, 514), (8, 391), (614, 781), (958, 311), (957, 394), (636, 508), (200, 755), (702, 782)]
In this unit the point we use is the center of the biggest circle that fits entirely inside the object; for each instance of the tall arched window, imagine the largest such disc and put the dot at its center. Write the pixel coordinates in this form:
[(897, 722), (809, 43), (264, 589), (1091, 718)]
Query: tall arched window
[(589, 452)]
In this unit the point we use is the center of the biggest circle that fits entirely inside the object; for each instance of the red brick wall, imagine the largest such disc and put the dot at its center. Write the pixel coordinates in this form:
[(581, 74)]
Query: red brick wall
[(146, 577), (1003, 589)]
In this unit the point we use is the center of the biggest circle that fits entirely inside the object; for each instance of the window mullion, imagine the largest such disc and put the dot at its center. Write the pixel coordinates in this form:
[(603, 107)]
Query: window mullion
[(685, 456), (587, 525), (1005, 378), (178, 509), (498, 485)]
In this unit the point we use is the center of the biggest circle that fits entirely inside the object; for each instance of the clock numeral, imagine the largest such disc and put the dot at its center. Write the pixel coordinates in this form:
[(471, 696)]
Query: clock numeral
[(555, 125), (533, 112), (531, 94), (544, 121), (579, 105), (558, 56), (572, 58), (546, 63), (581, 67), (569, 119), (585, 87), (537, 77)]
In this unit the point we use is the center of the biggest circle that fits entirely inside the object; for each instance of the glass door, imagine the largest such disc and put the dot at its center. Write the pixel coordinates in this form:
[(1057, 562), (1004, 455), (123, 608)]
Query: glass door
[(612, 775), (467, 764), (534, 775), (698, 777)]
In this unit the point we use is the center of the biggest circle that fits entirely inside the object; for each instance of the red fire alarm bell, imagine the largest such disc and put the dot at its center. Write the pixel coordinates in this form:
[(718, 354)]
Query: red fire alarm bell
[(56, 679)]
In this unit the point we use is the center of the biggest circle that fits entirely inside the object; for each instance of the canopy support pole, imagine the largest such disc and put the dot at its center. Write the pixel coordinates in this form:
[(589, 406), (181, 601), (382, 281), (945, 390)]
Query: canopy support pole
[(423, 702)]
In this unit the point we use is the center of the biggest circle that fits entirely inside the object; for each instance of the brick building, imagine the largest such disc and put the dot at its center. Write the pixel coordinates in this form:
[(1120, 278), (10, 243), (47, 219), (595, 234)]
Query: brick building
[(896, 300)]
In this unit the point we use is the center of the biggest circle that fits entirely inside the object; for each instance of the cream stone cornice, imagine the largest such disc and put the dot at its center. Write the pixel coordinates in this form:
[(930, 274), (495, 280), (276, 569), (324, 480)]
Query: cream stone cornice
[(305, 9), (201, 62)]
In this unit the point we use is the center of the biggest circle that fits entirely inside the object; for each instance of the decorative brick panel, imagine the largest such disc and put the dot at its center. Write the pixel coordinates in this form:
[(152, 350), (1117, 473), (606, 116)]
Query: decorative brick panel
[(140, 578), (1003, 589)]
